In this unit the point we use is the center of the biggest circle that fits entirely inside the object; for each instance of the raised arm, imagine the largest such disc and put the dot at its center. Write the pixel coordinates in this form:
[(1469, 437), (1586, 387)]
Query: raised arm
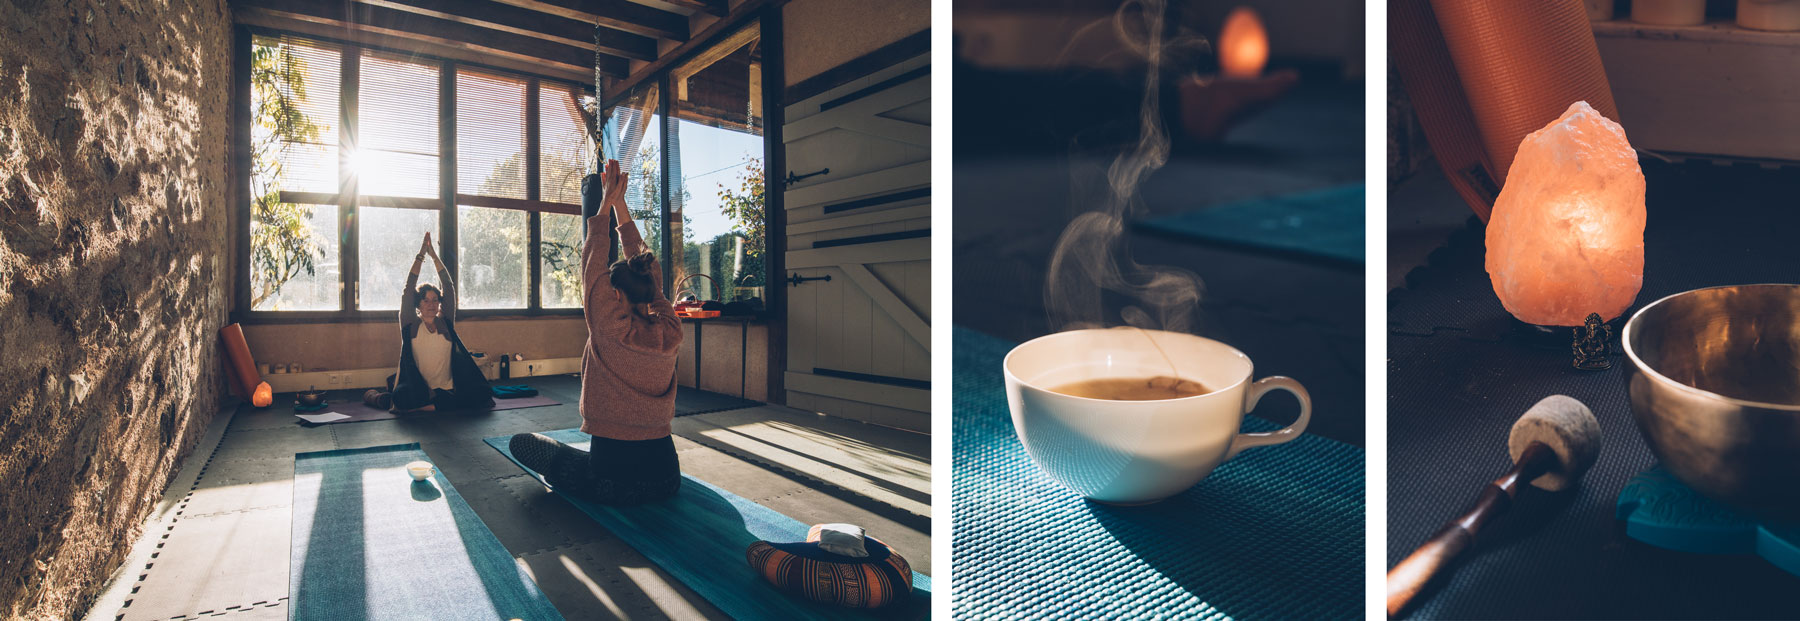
[(630, 240), (447, 288), (412, 282)]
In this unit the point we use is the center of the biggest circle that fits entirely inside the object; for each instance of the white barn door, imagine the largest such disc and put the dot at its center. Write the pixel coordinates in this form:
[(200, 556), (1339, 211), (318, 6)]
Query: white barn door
[(859, 247)]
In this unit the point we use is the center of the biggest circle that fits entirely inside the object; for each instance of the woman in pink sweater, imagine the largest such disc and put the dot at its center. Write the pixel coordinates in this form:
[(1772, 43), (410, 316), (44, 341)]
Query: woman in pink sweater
[(627, 367)]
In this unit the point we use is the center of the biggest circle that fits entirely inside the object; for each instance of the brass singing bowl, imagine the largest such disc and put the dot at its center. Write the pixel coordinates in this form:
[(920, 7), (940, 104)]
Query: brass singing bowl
[(1715, 390)]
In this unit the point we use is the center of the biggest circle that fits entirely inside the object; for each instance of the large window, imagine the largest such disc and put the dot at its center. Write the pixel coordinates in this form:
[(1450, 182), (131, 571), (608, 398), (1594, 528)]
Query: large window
[(354, 162), (716, 169), (699, 130)]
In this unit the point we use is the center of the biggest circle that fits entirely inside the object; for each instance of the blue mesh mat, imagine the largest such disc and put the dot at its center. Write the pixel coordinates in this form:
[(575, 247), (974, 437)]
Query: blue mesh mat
[(1322, 225), (371, 543), (1276, 533), (701, 535)]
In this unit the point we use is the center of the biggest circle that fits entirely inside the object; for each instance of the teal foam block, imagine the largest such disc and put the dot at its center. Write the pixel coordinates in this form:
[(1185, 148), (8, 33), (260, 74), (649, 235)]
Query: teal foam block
[(371, 543), (1325, 225), (1664, 512), (701, 537), (1276, 533)]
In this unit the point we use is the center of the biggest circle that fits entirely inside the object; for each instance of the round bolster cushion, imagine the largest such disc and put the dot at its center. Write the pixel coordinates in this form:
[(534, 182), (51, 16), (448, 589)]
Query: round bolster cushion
[(804, 569)]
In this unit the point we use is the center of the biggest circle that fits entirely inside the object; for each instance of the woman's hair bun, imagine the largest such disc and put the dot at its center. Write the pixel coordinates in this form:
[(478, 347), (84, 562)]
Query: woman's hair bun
[(641, 262)]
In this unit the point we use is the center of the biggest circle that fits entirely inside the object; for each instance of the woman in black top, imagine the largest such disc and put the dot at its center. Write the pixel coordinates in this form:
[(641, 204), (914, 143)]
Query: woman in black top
[(436, 370)]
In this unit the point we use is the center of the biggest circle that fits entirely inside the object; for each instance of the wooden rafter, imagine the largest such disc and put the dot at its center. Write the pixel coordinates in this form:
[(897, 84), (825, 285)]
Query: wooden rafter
[(710, 7), (519, 21), (704, 38), (712, 54), (618, 14), (386, 27)]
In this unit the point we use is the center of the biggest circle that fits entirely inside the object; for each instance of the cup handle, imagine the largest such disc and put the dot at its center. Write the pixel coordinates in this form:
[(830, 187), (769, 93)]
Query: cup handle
[(1257, 390)]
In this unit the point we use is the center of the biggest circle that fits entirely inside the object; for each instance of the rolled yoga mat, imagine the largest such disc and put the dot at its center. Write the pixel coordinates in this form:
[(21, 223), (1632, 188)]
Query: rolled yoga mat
[(701, 537), (240, 363), (371, 543), (1517, 66)]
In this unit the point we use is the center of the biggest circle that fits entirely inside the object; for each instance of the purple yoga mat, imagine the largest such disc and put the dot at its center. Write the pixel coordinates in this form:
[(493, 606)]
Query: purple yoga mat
[(359, 412)]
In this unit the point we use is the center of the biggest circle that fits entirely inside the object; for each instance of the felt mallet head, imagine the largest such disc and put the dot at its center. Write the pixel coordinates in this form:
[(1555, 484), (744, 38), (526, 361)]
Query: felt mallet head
[(1570, 430)]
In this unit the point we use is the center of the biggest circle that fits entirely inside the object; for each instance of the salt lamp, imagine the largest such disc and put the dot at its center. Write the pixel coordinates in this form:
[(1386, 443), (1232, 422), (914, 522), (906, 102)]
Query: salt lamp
[(1566, 237), (264, 396), (1243, 44)]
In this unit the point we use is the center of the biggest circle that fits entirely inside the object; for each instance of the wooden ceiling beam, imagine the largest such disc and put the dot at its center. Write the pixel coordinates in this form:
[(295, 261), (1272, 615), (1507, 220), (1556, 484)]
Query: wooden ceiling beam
[(526, 22), (391, 28), (256, 18), (616, 14), (711, 35), (715, 8)]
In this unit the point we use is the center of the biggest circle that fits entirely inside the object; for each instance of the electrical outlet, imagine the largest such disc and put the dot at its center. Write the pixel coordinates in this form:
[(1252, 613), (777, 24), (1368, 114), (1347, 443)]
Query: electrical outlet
[(331, 378)]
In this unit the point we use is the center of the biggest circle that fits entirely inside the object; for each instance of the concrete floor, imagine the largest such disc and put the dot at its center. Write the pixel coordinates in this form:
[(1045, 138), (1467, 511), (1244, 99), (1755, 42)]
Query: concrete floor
[(220, 546)]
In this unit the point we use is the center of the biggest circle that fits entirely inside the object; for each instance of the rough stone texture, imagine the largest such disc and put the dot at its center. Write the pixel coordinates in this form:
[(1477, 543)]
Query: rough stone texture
[(114, 276), (1567, 234)]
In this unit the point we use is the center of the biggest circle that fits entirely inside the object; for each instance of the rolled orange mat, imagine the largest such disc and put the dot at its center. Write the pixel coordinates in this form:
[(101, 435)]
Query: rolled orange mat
[(237, 354), (1518, 65), (1423, 61)]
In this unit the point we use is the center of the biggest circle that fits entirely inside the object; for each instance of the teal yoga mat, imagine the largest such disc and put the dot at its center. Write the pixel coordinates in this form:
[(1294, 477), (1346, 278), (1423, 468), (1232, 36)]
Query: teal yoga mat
[(1276, 533), (1321, 225), (371, 543), (701, 536)]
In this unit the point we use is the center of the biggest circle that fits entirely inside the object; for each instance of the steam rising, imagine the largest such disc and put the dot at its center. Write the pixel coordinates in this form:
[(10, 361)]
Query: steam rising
[(1090, 259)]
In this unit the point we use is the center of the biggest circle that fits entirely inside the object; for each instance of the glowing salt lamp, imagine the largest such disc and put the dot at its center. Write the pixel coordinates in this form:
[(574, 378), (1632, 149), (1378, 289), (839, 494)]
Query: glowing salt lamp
[(1243, 44), (1566, 237), (264, 396)]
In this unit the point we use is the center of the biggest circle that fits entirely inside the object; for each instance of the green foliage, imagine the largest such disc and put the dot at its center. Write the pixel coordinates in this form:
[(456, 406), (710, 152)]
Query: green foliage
[(281, 237), (744, 205)]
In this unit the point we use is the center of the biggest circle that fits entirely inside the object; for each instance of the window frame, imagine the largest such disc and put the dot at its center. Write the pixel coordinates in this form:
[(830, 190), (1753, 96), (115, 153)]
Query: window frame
[(348, 199), (768, 24), (766, 20)]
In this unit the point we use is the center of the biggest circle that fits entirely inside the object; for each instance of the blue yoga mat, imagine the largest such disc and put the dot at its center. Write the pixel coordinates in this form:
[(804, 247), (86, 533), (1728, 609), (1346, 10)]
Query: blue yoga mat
[(1276, 533), (701, 536), (1322, 225), (371, 543)]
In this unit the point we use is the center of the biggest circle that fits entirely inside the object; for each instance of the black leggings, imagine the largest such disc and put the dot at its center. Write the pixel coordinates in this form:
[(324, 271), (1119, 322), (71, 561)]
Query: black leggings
[(618, 472)]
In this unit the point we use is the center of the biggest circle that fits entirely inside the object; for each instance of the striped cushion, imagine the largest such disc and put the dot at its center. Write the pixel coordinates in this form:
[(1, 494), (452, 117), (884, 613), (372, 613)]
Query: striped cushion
[(804, 569)]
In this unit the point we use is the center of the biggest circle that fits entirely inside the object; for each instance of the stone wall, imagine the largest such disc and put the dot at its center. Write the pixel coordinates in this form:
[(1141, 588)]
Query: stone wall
[(114, 277)]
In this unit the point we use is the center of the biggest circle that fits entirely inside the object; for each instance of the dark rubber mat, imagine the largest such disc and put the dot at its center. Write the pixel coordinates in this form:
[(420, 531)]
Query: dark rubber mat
[(691, 401), (1461, 371)]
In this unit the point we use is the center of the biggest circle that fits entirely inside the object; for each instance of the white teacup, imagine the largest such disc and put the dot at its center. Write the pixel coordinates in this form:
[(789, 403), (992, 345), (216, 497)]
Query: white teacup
[(1136, 452)]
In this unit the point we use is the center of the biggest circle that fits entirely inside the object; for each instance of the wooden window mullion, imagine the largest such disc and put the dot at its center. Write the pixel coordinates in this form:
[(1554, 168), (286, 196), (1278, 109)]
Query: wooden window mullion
[(534, 191), (349, 95), (447, 223)]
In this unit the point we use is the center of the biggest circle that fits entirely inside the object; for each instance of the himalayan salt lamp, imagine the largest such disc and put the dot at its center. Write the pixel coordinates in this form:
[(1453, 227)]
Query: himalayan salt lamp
[(1243, 44), (1566, 237), (263, 397)]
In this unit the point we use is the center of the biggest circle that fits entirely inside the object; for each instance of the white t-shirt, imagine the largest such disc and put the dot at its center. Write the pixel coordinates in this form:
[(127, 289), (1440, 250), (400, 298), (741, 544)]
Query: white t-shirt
[(431, 351)]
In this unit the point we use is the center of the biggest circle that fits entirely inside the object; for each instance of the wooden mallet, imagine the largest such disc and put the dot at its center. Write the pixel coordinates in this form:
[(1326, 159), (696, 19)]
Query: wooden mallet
[(1552, 445)]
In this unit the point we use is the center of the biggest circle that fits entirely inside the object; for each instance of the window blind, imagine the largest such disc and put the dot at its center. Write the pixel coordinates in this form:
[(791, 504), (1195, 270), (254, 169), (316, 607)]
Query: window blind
[(566, 153), (490, 135), (305, 73), (397, 128)]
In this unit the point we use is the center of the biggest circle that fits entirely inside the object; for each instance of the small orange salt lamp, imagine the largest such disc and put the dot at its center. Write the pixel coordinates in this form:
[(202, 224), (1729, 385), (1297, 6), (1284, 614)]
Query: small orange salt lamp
[(263, 397), (1566, 237), (1243, 44)]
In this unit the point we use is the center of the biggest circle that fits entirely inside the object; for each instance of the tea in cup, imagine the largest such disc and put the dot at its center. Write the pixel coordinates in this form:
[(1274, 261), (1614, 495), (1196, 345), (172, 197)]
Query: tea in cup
[(1130, 416)]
